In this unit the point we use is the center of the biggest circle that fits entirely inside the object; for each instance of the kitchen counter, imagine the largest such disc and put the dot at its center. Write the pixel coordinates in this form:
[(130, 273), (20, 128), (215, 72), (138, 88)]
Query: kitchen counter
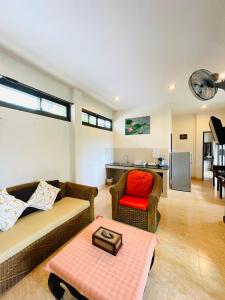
[(115, 170), (130, 165)]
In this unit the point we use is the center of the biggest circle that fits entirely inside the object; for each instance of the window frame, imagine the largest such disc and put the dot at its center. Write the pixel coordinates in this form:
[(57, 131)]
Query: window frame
[(91, 113), (14, 84)]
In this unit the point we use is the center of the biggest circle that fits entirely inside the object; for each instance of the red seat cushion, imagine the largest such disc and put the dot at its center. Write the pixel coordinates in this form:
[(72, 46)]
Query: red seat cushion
[(134, 202), (139, 184)]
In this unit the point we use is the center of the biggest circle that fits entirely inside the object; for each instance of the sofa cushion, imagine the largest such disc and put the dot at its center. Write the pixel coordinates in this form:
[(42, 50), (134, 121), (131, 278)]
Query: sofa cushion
[(139, 184), (56, 183), (134, 202), (34, 226), (10, 210), (44, 196), (25, 191)]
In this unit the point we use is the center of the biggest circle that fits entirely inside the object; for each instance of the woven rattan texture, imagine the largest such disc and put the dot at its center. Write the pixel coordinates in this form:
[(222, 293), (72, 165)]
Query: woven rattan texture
[(133, 217), (147, 220), (16, 267)]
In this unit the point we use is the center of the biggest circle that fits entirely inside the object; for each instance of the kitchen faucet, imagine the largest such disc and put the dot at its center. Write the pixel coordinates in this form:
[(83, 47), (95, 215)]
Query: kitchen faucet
[(126, 158)]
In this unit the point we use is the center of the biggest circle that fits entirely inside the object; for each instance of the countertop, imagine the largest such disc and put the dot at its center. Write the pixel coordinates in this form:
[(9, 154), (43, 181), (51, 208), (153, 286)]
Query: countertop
[(131, 165)]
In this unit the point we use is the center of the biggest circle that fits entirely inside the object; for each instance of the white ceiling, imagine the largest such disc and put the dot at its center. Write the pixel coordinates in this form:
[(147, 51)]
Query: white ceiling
[(130, 48)]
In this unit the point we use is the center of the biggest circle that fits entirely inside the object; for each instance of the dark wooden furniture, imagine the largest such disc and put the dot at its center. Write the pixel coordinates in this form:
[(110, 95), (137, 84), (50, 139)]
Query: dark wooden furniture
[(218, 171), (220, 185), (221, 180)]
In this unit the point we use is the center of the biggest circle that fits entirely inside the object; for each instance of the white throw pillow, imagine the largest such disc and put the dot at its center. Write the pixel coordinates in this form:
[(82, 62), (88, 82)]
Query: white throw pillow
[(44, 196), (10, 210)]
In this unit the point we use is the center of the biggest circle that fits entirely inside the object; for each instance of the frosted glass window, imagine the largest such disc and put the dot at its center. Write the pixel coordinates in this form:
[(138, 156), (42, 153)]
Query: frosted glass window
[(108, 124), (16, 97), (84, 117), (101, 122), (92, 120), (53, 108)]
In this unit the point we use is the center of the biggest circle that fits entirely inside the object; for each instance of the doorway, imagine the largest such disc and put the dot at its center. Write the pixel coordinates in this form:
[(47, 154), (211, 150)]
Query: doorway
[(207, 156)]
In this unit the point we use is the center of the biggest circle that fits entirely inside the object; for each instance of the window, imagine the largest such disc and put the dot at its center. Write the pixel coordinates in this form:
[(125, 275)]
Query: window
[(15, 97), (101, 122), (108, 124), (94, 120), (22, 97), (53, 108), (85, 117)]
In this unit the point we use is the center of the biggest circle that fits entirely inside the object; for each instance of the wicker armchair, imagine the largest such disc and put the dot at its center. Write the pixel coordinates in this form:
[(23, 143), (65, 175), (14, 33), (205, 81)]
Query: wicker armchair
[(147, 220)]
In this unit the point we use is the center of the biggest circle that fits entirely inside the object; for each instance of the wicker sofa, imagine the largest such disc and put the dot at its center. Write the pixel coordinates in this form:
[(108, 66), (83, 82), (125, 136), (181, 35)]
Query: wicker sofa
[(37, 235), (147, 220)]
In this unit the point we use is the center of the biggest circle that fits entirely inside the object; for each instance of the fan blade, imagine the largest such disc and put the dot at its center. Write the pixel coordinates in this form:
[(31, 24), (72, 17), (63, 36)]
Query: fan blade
[(209, 83), (197, 88)]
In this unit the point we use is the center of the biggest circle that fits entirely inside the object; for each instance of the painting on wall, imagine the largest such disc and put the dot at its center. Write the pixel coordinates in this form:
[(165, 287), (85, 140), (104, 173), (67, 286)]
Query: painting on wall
[(140, 125)]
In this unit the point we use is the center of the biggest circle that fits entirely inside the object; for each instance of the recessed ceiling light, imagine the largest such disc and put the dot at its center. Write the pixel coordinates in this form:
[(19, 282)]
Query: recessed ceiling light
[(172, 87), (204, 106), (117, 98), (222, 76)]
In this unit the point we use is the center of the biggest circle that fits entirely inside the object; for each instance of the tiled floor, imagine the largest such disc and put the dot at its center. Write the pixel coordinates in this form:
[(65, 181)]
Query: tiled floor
[(208, 175), (190, 260)]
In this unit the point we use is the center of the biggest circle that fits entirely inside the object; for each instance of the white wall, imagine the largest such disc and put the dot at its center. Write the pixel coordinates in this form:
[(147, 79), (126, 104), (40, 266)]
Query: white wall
[(142, 146), (32, 147), (184, 124), (35, 147), (14, 67), (202, 124), (194, 126), (93, 147), (92, 104)]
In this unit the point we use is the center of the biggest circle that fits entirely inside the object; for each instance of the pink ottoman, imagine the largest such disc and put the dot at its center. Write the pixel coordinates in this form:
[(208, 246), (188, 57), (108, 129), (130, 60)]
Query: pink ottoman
[(91, 273)]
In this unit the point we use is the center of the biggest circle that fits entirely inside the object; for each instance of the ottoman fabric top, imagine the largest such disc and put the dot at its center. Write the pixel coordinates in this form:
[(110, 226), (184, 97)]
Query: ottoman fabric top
[(99, 275)]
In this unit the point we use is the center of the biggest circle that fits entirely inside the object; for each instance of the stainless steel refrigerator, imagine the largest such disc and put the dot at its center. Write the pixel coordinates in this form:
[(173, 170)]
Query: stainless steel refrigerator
[(180, 171)]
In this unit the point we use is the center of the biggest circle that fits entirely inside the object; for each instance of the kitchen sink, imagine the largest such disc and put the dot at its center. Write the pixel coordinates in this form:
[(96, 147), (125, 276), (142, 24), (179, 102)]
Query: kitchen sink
[(127, 165), (122, 164)]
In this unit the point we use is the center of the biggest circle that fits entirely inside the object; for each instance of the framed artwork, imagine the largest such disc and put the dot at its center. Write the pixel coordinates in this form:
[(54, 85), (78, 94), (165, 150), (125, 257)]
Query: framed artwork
[(183, 137), (140, 125)]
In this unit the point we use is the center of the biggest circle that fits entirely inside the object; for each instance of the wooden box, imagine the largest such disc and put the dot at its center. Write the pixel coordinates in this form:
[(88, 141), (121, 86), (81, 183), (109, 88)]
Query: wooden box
[(107, 240)]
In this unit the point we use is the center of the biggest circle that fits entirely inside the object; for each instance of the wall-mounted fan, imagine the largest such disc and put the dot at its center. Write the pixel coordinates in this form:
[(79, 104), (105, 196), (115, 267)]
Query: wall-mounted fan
[(205, 84)]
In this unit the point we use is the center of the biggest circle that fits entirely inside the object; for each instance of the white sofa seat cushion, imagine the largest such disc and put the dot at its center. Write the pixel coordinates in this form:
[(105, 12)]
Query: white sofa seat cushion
[(34, 226)]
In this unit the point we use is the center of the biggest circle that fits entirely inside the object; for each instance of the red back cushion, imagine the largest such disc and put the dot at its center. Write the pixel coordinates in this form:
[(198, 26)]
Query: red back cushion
[(139, 184)]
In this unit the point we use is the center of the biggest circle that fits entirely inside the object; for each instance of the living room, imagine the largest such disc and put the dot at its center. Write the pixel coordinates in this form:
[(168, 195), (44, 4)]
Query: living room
[(90, 68)]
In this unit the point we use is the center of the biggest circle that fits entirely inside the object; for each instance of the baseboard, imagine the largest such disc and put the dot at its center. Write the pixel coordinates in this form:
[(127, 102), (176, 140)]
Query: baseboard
[(195, 178)]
